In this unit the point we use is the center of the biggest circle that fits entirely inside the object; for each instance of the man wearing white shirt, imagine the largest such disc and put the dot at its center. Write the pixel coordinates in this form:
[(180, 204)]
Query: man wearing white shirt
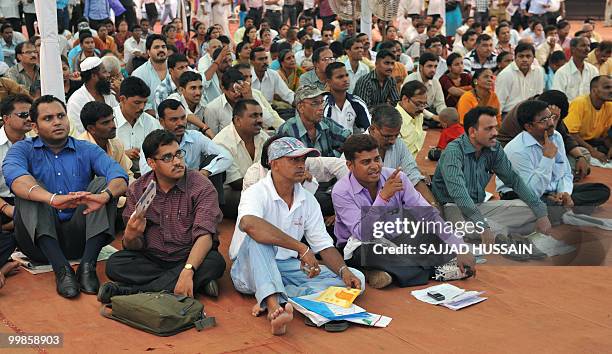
[(273, 12), (96, 87), (434, 45), (155, 69), (135, 46), (206, 60), (354, 66), (190, 94), (574, 78), (342, 107), (133, 123), (520, 80), (428, 64), (269, 259), (219, 112), (268, 81)]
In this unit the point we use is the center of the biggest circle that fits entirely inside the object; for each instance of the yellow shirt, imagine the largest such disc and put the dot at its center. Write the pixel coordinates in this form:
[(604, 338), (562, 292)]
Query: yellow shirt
[(585, 120), (605, 68), (412, 132)]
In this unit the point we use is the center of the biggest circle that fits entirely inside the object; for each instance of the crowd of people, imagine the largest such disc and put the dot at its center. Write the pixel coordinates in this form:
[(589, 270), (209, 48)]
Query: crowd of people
[(291, 127)]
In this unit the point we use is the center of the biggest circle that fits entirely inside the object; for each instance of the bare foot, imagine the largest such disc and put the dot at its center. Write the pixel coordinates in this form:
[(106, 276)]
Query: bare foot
[(257, 310), (280, 318), (10, 268)]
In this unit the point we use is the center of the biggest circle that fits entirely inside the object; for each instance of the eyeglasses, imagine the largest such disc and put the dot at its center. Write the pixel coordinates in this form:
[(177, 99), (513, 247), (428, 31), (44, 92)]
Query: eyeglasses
[(170, 157), (418, 104), (22, 115), (328, 59), (547, 118)]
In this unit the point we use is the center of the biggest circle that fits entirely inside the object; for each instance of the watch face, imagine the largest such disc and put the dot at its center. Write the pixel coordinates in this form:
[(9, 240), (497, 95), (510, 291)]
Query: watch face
[(188, 266)]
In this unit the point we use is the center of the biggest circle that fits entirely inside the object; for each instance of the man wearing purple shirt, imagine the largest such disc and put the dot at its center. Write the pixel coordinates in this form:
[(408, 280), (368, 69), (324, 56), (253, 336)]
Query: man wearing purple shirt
[(393, 198)]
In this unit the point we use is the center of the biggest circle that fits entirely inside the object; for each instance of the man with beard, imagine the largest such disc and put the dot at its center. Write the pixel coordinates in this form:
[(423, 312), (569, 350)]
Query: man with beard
[(266, 80), (538, 155), (155, 69), (201, 153), (411, 106), (244, 139), (520, 80), (574, 78), (379, 86), (428, 64), (179, 253), (15, 111), (62, 211), (463, 172), (96, 87)]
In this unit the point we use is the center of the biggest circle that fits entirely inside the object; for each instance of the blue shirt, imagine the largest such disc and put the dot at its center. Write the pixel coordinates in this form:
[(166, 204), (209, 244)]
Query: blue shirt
[(275, 65), (541, 174), (196, 146), (96, 9), (71, 170), (147, 73), (8, 52)]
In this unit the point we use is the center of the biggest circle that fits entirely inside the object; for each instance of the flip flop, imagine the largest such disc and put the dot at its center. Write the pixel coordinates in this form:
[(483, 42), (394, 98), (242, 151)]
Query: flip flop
[(332, 326)]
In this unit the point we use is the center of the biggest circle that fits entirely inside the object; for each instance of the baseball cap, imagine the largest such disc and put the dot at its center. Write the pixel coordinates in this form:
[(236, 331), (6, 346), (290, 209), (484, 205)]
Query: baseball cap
[(307, 91), (290, 147)]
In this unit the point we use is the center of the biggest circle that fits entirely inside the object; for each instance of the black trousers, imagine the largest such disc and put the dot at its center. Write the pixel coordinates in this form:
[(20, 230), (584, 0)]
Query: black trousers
[(7, 246), (15, 23), (147, 273), (95, 24), (256, 13), (275, 19), (29, 22)]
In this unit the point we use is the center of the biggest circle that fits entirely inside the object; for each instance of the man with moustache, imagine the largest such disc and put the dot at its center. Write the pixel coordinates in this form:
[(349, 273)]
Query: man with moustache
[(15, 111), (96, 87), (267, 80), (538, 155), (574, 77), (379, 86), (463, 172), (201, 153), (155, 70), (62, 211), (179, 253), (428, 64)]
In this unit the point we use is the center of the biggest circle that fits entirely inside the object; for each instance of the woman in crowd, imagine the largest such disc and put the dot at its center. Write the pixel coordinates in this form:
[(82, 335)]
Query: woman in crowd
[(555, 61), (289, 71), (195, 44), (72, 81), (266, 38), (482, 94), (121, 35), (282, 33), (211, 33), (243, 53), (455, 82), (536, 32), (503, 59), (171, 39)]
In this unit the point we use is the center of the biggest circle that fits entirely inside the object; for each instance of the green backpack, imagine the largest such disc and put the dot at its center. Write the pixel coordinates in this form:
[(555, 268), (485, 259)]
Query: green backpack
[(160, 313)]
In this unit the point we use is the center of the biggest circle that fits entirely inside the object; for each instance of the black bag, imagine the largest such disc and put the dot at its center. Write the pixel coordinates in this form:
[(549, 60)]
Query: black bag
[(451, 5), (159, 313)]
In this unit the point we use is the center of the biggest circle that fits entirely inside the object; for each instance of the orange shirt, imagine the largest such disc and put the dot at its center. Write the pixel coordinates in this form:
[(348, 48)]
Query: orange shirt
[(468, 101)]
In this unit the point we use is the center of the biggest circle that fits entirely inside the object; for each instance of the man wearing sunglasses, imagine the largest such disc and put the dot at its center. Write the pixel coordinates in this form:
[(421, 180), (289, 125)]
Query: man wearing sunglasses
[(15, 112), (172, 245)]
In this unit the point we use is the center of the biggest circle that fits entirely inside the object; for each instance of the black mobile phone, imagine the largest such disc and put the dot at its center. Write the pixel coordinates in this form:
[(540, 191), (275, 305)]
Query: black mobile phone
[(436, 296)]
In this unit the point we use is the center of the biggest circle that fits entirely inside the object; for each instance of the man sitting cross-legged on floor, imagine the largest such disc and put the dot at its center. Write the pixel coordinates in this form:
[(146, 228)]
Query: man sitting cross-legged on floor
[(369, 184), (178, 254), (62, 211), (538, 156), (274, 215)]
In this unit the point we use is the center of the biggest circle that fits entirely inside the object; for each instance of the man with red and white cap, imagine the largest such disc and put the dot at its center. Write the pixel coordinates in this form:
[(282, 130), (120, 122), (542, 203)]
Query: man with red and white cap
[(96, 87), (269, 258)]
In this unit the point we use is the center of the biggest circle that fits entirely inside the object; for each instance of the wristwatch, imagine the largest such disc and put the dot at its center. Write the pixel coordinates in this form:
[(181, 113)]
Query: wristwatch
[(189, 266), (110, 194)]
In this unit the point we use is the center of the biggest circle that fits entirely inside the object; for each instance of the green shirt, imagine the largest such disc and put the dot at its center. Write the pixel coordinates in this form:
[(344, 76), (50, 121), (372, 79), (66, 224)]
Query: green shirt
[(330, 135), (461, 178)]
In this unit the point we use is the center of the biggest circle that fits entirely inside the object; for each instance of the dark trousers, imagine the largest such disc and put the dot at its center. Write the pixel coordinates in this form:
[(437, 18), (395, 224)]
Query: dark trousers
[(63, 20), (129, 15), (256, 13), (217, 180), (29, 22), (598, 144), (147, 273), (275, 19), (482, 17), (290, 13), (7, 246), (328, 20), (152, 13), (230, 203), (95, 24), (33, 220)]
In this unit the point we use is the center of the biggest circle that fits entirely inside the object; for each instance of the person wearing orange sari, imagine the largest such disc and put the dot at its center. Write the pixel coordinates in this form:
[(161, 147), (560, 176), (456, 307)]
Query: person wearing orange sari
[(482, 94), (289, 71)]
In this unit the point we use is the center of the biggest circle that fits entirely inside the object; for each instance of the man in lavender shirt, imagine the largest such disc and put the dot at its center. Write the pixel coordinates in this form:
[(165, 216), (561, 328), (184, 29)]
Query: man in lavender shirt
[(370, 195)]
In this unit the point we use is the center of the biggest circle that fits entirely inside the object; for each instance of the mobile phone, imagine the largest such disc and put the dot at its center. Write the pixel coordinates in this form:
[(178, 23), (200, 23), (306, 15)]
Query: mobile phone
[(436, 296), (146, 198)]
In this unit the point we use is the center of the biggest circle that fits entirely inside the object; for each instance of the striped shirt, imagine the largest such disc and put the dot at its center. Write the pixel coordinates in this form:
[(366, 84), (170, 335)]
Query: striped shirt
[(461, 178), (368, 88), (471, 62), (330, 135)]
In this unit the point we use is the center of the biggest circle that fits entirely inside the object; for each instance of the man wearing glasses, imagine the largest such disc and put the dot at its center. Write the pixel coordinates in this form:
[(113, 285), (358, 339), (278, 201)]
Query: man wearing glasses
[(15, 112), (428, 63), (321, 58), (27, 72), (172, 245), (413, 102)]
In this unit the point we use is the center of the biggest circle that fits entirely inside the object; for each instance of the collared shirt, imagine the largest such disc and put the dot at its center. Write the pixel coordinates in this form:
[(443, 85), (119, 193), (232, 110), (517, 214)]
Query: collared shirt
[(540, 173), (300, 56), (347, 116), (130, 46), (572, 82), (435, 94), (197, 146), (471, 62), (369, 90), (349, 197), (512, 87), (18, 74), (461, 178), (5, 145), (75, 104), (229, 139), (133, 136), (272, 84), (604, 69), (311, 78), (219, 113), (115, 150), (411, 133), (590, 123), (303, 219), (398, 155), (165, 89), (212, 87), (544, 51), (147, 73), (8, 51), (330, 135), (175, 220), (97, 9), (198, 111), (10, 9), (70, 170), (536, 7)]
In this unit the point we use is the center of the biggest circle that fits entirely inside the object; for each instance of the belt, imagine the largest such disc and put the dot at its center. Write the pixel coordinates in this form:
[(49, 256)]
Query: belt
[(274, 11)]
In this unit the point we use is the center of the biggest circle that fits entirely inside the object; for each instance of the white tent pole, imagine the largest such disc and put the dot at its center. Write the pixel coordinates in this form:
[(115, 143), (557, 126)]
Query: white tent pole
[(51, 78)]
